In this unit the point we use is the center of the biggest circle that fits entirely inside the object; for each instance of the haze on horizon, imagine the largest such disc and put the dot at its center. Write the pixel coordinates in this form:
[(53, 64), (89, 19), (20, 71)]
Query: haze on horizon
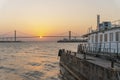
[(49, 17)]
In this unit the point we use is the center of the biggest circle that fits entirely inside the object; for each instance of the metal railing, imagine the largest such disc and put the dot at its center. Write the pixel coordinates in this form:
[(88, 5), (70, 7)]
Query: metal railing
[(95, 49)]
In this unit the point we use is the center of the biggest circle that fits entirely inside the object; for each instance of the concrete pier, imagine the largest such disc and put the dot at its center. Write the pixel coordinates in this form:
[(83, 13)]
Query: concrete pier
[(74, 66)]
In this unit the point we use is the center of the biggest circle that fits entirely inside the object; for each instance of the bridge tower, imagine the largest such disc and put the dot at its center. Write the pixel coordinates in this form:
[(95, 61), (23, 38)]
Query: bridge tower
[(15, 35), (69, 35)]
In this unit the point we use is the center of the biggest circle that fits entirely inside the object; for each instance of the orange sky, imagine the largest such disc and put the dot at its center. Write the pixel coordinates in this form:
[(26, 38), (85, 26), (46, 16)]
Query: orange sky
[(50, 17)]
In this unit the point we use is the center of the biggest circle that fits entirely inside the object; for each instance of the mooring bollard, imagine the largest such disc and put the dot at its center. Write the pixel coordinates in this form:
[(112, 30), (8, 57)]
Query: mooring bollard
[(112, 62), (79, 48), (63, 50), (60, 52)]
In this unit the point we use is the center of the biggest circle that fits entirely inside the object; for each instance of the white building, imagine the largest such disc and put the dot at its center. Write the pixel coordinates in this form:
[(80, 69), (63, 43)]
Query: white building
[(105, 39)]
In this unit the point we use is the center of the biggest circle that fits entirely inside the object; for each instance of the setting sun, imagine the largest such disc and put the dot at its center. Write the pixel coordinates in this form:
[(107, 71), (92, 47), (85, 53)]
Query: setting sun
[(41, 36)]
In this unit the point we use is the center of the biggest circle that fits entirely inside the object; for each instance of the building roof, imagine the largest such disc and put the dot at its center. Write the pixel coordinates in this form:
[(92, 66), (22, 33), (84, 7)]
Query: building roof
[(96, 31)]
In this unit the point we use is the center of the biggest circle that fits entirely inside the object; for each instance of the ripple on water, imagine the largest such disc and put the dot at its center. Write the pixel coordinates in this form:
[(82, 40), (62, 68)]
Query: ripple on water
[(30, 61), (49, 67), (32, 75), (34, 64), (8, 70), (52, 78), (2, 59)]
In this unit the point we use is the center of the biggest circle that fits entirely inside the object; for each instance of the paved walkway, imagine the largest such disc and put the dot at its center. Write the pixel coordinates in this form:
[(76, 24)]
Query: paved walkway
[(99, 61)]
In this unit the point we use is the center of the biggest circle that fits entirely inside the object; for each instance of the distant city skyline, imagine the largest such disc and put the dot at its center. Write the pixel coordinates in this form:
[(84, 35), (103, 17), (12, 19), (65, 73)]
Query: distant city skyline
[(49, 17)]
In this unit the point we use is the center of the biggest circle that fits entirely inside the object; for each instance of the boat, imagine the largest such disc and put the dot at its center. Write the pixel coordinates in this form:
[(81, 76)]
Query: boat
[(98, 59)]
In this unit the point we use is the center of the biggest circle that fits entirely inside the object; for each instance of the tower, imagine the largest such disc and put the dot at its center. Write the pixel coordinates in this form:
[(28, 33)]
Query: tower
[(69, 35), (15, 35), (98, 22)]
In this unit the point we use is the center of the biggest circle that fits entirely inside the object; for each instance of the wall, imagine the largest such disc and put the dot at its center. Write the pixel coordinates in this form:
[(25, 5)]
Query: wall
[(74, 68), (112, 46)]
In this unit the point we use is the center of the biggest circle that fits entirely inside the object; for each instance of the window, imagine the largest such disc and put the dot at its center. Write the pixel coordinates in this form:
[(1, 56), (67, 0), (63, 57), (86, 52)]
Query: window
[(111, 36), (88, 37), (117, 36), (96, 38), (92, 38), (105, 37), (101, 37)]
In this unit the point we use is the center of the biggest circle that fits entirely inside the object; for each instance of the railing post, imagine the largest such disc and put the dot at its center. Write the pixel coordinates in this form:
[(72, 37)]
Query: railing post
[(112, 60), (84, 55), (117, 49), (112, 63)]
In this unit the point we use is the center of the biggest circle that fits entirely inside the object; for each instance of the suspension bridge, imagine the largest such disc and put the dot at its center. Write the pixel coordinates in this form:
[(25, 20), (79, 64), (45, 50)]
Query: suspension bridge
[(15, 37)]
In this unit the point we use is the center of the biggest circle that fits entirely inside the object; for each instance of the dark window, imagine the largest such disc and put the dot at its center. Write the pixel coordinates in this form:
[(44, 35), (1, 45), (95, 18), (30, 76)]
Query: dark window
[(96, 38), (105, 37), (117, 36), (92, 38), (101, 38), (111, 36)]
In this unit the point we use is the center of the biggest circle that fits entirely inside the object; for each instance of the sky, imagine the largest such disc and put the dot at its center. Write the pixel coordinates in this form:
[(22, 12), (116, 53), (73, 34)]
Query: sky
[(51, 17)]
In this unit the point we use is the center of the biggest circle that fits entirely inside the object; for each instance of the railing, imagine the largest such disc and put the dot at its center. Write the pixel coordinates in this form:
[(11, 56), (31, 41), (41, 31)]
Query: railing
[(110, 47), (101, 49)]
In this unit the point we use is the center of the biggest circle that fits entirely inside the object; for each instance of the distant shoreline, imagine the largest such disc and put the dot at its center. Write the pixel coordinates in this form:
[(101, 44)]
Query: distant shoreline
[(10, 41)]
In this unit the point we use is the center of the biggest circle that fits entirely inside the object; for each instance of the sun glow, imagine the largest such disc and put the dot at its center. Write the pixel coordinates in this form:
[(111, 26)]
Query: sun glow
[(41, 36)]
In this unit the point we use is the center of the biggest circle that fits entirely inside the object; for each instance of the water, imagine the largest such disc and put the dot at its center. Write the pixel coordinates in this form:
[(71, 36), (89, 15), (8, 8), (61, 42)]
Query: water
[(31, 60)]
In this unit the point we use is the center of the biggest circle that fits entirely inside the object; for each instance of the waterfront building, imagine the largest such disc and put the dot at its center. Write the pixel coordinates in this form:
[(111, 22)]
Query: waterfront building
[(106, 38)]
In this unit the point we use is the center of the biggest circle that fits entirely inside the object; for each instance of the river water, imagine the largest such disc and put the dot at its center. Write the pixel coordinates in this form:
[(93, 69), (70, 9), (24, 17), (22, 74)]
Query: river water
[(31, 60)]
